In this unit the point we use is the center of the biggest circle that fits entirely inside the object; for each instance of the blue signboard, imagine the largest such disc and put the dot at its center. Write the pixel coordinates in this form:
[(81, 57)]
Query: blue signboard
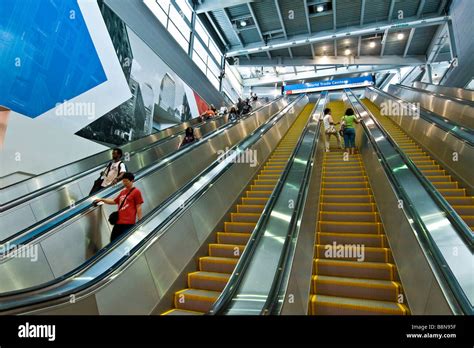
[(329, 85)]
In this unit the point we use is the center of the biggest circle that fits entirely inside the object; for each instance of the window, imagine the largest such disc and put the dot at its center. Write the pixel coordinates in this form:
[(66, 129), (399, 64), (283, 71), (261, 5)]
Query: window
[(200, 50), (178, 36), (179, 22), (157, 11), (213, 68), (185, 9), (470, 85)]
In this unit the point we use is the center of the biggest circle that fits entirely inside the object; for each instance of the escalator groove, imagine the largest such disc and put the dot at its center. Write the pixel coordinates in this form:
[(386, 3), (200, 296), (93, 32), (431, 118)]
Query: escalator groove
[(214, 270)]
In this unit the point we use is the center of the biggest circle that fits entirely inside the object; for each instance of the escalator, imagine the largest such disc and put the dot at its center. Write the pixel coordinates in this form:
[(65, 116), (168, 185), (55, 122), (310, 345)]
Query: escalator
[(206, 284), (84, 230), (452, 190), (353, 269)]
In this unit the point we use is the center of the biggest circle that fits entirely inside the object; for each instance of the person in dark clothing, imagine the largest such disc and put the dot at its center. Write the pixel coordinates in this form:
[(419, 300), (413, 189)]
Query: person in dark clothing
[(129, 202), (233, 114), (247, 108), (189, 137), (240, 106)]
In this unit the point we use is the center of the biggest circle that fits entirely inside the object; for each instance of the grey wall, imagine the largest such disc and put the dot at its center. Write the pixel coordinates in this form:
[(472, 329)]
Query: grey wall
[(142, 21), (462, 13)]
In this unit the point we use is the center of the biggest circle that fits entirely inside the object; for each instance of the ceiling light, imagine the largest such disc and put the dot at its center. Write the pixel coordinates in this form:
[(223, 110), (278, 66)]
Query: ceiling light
[(320, 8), (243, 23), (372, 44), (400, 36), (347, 51)]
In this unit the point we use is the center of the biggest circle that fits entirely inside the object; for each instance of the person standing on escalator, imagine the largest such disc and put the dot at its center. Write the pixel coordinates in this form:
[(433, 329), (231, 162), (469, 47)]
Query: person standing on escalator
[(129, 202), (348, 123), (111, 174), (330, 129)]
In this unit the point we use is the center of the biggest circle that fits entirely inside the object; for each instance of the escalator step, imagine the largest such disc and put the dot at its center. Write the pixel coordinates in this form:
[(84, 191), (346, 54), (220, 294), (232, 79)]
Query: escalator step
[(355, 184), (347, 199), (254, 200), (370, 289), (350, 226), (217, 264), (226, 250), (347, 207), (239, 227), (233, 238), (349, 216), (181, 312), (369, 240), (464, 209), (208, 280), (195, 300), (371, 254), (332, 305), (354, 269), (247, 208), (244, 217)]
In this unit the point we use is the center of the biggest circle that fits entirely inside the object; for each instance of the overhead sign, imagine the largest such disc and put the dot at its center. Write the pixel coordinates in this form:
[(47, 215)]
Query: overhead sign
[(316, 86)]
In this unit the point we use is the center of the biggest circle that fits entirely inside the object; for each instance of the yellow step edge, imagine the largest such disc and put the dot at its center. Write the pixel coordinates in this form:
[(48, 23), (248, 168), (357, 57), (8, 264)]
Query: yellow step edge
[(359, 307), (363, 284)]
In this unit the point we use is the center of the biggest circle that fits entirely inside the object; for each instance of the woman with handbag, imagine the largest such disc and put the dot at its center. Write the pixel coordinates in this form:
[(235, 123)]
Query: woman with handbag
[(129, 203), (330, 129), (348, 130)]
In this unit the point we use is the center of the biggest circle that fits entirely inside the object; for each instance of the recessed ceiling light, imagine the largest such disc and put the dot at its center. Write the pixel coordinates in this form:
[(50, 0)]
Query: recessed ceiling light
[(320, 8), (347, 51), (372, 44), (243, 23), (400, 36)]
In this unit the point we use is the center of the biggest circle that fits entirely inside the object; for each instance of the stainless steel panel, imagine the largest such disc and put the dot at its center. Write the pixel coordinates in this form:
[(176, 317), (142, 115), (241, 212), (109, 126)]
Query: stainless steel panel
[(24, 272), (299, 284), (76, 243), (415, 271), (460, 93), (83, 306), (457, 112), (19, 220), (132, 292), (441, 145)]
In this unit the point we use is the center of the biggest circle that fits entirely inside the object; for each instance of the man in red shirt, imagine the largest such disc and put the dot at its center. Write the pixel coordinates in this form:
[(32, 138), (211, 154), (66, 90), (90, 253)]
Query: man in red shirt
[(129, 202)]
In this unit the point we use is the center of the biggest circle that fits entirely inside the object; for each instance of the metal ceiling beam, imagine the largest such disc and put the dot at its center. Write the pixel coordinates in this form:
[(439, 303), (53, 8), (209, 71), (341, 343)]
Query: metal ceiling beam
[(390, 11), (335, 48), (258, 27), (362, 12), (229, 21), (334, 23), (307, 75), (358, 46), (420, 8), (442, 5), (354, 31), (330, 60), (407, 46), (282, 23), (214, 26), (384, 42), (308, 25), (211, 5), (437, 43)]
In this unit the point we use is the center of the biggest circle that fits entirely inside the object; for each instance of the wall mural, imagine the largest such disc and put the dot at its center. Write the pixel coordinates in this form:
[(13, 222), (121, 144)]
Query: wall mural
[(159, 97)]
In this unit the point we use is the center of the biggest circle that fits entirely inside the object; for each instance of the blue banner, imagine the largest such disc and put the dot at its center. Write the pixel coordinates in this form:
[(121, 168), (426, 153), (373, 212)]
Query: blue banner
[(316, 86)]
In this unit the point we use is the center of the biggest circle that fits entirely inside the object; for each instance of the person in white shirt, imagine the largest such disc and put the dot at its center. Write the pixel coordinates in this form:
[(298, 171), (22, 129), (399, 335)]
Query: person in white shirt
[(330, 129), (115, 170)]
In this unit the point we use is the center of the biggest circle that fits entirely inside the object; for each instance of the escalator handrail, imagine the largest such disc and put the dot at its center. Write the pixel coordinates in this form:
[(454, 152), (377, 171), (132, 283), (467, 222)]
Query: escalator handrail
[(443, 268), (235, 279), (461, 226), (439, 121), (39, 228), (288, 249), (438, 95), (36, 193), (58, 288)]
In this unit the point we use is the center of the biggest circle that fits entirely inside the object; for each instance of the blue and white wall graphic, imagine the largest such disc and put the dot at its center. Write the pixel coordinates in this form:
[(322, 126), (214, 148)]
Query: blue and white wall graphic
[(59, 72)]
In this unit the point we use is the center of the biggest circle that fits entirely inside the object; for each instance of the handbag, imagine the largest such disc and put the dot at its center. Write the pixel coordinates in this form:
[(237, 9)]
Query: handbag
[(113, 217), (343, 128)]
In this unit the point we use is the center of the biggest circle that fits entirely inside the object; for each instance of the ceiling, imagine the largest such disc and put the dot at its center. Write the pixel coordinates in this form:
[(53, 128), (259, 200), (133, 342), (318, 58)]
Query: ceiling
[(293, 34)]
